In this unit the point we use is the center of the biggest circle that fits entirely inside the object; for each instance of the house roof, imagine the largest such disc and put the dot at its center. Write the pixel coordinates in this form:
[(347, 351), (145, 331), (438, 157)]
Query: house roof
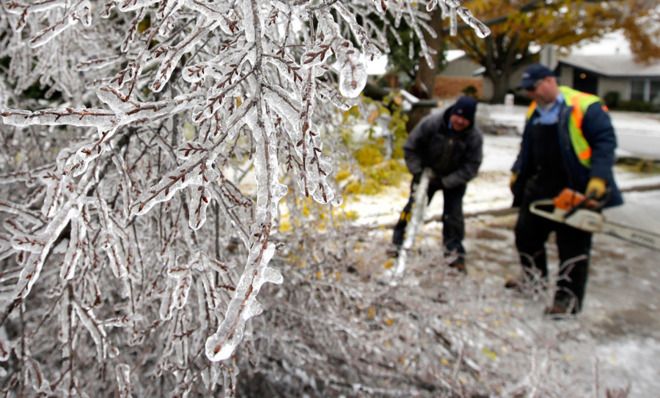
[(619, 65)]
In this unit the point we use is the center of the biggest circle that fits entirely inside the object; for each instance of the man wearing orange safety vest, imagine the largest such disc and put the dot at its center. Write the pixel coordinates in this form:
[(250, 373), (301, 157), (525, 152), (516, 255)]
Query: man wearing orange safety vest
[(568, 141)]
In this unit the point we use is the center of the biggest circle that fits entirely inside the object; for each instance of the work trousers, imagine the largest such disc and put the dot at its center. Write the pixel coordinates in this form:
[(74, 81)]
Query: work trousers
[(453, 224), (574, 245)]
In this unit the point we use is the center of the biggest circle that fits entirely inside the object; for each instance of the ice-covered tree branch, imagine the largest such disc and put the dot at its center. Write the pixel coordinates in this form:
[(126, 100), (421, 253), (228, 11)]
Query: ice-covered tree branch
[(128, 128)]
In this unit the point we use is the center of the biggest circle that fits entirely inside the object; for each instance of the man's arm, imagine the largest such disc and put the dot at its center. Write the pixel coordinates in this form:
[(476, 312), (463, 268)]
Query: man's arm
[(470, 167), (416, 142), (599, 133)]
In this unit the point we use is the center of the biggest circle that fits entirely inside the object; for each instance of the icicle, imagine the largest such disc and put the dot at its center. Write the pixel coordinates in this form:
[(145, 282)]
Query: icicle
[(123, 376), (74, 250), (248, 20), (116, 256), (65, 320), (167, 304), (363, 39), (243, 305), (40, 385), (57, 117), (132, 5), (5, 348), (95, 330), (417, 218), (453, 23), (479, 27), (35, 261)]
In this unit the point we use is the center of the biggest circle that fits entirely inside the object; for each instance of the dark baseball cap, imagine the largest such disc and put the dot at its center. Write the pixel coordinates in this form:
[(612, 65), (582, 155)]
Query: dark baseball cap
[(532, 74)]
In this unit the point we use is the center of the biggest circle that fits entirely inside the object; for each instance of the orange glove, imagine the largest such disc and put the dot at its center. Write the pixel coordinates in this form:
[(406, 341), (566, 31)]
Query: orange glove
[(595, 188)]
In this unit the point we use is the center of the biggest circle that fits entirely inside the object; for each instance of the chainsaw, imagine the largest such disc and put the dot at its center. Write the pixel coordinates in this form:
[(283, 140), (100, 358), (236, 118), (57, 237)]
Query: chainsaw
[(578, 211)]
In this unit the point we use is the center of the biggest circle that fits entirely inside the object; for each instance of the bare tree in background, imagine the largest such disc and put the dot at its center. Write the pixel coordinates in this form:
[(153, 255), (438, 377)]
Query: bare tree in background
[(131, 258)]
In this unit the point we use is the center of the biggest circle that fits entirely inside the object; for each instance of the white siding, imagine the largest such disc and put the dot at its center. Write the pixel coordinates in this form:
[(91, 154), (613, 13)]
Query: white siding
[(565, 77)]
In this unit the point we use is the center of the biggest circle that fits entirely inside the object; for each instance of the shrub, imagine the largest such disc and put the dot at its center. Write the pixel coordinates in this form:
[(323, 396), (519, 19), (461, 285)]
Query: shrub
[(470, 91), (611, 99), (637, 106)]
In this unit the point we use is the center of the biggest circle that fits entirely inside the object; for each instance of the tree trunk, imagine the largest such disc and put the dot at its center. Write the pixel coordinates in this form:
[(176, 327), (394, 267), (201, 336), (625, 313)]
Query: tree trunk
[(500, 80)]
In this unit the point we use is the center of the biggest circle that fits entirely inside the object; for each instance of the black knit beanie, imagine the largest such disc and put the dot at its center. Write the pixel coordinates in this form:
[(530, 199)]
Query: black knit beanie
[(466, 107)]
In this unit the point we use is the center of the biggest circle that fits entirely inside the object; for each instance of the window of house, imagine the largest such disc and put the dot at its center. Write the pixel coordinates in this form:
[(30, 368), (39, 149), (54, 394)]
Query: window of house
[(655, 92), (637, 90)]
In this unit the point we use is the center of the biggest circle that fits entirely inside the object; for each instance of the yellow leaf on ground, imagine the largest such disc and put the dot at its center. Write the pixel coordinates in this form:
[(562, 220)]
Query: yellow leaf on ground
[(373, 116), (490, 354), (189, 131)]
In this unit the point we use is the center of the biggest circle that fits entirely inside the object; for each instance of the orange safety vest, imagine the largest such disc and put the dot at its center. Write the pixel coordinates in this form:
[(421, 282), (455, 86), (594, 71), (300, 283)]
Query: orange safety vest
[(579, 101)]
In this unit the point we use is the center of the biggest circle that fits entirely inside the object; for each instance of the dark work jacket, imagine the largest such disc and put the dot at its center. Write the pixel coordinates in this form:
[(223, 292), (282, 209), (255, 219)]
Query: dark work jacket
[(599, 133), (453, 156)]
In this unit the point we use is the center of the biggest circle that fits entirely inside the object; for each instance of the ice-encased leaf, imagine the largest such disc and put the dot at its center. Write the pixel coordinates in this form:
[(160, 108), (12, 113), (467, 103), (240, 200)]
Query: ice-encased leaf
[(284, 104), (78, 163), (181, 291), (352, 77), (173, 56), (199, 201), (189, 173)]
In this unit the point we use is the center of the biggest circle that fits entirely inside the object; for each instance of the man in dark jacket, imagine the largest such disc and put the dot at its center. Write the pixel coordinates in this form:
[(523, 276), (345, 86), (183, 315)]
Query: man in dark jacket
[(451, 146), (568, 141)]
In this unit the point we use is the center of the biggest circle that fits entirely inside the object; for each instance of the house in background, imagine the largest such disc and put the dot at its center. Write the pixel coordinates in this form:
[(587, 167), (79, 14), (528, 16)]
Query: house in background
[(459, 73), (616, 73), (602, 66)]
